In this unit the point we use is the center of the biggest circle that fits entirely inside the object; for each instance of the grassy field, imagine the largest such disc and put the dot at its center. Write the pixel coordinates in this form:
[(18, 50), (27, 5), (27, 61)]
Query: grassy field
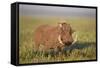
[(83, 49)]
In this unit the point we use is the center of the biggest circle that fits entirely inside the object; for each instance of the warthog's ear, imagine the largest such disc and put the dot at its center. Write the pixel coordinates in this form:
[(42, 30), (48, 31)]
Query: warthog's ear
[(60, 25)]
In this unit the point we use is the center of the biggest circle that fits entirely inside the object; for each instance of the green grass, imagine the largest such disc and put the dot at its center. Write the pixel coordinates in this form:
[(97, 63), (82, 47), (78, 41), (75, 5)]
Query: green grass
[(84, 49)]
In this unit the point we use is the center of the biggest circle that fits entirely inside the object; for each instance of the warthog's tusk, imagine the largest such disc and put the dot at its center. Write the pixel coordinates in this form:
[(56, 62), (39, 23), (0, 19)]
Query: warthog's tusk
[(75, 39), (59, 39)]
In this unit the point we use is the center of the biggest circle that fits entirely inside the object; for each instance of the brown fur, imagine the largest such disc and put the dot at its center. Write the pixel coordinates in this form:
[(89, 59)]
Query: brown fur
[(48, 36)]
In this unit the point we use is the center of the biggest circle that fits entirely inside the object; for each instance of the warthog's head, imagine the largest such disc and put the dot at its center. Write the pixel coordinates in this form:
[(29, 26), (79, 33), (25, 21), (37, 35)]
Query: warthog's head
[(65, 35)]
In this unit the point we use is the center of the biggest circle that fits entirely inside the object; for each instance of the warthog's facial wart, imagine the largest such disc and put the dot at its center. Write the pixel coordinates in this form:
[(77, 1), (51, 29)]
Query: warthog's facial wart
[(59, 39)]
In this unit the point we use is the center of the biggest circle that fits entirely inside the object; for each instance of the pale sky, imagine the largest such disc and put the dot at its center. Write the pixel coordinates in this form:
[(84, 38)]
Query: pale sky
[(37, 10)]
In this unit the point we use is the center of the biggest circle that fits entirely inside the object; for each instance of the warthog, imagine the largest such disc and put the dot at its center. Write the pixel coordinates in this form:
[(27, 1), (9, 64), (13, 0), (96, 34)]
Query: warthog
[(53, 37)]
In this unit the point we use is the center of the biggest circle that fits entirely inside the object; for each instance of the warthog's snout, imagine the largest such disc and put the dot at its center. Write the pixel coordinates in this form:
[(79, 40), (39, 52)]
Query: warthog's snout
[(68, 43)]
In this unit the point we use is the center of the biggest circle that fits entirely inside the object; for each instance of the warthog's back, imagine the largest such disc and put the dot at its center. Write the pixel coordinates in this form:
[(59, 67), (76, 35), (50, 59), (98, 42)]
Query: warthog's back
[(47, 36)]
